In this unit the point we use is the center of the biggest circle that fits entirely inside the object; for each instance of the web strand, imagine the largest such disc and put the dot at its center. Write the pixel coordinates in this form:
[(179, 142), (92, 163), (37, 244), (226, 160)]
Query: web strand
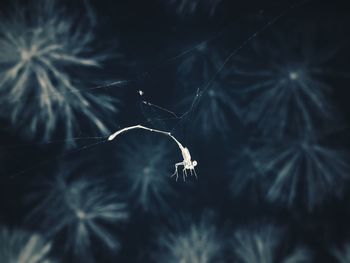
[(199, 92)]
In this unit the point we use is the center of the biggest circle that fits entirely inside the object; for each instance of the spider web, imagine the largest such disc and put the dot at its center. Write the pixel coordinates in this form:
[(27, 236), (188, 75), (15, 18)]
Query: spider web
[(158, 116), (168, 119)]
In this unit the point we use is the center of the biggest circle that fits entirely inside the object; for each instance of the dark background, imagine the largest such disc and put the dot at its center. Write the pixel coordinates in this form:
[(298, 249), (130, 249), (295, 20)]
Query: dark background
[(149, 36)]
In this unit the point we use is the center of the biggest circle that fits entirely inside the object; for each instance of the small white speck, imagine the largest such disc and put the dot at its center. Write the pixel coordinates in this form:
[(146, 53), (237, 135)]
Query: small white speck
[(293, 75)]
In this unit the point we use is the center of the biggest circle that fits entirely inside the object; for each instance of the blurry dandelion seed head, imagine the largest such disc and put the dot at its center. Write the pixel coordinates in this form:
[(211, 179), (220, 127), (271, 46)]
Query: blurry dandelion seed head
[(304, 169), (191, 242), (342, 255), (146, 168), (83, 206), (44, 50), (281, 79), (18, 246), (263, 243)]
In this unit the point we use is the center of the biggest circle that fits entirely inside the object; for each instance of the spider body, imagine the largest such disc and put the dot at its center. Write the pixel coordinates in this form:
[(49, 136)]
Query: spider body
[(187, 164)]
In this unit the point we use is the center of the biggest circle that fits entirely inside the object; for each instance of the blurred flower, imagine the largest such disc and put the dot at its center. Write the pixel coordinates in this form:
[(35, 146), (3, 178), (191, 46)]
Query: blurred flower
[(281, 77), (42, 55), (81, 210), (146, 166), (194, 243), (263, 244), (302, 170), (247, 175), (342, 255), (21, 247)]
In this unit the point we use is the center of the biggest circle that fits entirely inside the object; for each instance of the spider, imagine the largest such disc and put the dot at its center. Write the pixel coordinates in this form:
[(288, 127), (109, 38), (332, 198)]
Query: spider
[(187, 162)]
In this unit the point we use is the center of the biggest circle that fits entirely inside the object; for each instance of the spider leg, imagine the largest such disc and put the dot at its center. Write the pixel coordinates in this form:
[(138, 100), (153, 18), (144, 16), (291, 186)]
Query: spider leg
[(176, 171), (195, 174)]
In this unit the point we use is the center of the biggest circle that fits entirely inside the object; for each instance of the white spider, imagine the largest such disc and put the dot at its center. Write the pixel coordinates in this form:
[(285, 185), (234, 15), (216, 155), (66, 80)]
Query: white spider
[(187, 162)]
